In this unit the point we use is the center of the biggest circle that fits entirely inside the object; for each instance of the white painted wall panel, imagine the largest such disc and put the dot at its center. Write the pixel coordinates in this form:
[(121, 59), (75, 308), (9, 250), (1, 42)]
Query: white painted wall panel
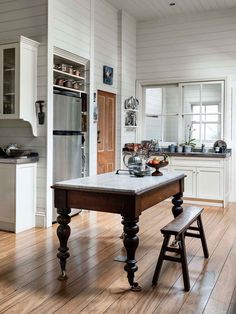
[(190, 47), (196, 46), (105, 44), (27, 18), (71, 23), (128, 70)]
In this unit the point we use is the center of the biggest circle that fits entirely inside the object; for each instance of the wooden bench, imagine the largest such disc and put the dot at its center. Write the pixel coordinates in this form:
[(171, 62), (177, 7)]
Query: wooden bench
[(179, 227)]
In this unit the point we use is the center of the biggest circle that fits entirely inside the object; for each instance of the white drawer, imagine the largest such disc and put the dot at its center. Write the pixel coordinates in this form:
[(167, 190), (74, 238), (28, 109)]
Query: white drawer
[(197, 162)]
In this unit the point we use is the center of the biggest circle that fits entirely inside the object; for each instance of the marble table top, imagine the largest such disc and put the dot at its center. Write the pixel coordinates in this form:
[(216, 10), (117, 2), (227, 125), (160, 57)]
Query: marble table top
[(122, 183)]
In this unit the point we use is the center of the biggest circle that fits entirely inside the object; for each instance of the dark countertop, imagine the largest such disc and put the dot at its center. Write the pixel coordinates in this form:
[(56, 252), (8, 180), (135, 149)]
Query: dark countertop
[(19, 160), (196, 153)]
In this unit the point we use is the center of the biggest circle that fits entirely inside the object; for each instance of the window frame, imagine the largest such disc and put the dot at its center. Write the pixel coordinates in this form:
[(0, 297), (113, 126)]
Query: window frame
[(159, 115), (180, 114)]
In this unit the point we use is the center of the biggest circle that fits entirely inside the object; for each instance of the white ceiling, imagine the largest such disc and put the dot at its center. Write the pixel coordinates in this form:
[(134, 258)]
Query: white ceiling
[(149, 9)]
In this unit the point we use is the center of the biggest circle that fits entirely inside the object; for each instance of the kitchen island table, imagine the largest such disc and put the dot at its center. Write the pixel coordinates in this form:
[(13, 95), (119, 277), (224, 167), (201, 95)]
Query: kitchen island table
[(119, 194)]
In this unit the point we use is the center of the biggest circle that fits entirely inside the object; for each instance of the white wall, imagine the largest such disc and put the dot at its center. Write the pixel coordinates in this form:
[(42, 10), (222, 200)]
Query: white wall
[(91, 29), (97, 31), (115, 46), (189, 48), (71, 26), (106, 52), (28, 18), (128, 71), (105, 44)]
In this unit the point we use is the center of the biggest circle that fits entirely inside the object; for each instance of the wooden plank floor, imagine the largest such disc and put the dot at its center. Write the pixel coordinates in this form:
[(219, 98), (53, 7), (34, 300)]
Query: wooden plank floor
[(98, 284)]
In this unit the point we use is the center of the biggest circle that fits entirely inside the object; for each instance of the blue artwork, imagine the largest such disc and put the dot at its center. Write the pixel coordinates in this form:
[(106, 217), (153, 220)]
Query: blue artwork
[(107, 75)]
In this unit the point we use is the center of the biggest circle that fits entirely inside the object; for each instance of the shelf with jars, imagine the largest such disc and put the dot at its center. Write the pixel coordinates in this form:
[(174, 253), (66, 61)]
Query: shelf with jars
[(69, 75)]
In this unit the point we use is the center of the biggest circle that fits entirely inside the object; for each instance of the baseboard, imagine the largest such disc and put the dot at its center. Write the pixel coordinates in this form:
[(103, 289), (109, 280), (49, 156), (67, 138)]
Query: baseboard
[(188, 200), (203, 202), (40, 219), (7, 226)]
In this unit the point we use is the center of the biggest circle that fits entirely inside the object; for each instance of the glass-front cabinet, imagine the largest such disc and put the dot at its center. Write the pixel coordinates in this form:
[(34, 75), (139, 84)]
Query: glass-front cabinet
[(9, 81), (18, 81)]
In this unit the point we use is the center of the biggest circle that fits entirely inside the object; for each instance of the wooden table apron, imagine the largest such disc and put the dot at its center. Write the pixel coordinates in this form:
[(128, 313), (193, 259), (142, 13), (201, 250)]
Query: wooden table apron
[(128, 205)]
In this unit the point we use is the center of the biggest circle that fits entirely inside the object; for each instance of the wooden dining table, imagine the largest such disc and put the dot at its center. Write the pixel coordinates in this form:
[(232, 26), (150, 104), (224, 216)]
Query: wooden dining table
[(120, 194)]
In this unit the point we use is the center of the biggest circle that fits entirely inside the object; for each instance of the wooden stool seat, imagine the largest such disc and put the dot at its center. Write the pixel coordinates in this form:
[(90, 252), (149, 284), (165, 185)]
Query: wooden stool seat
[(179, 228)]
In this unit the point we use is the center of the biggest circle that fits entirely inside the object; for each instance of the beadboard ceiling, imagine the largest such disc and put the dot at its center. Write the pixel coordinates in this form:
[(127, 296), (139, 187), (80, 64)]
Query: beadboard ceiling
[(148, 9)]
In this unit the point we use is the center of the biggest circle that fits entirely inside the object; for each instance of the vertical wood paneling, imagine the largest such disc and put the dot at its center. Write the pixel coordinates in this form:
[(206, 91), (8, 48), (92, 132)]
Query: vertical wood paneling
[(105, 44), (72, 26), (128, 70), (190, 47), (27, 18), (187, 48)]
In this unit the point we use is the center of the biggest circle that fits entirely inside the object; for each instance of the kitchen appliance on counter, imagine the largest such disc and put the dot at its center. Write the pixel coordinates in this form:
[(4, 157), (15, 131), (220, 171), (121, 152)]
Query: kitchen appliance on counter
[(68, 140)]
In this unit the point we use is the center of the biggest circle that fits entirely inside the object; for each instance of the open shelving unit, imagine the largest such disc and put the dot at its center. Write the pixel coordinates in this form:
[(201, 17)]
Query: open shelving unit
[(65, 70)]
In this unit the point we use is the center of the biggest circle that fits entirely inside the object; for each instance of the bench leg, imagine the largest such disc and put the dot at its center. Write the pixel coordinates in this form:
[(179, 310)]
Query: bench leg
[(160, 259), (203, 238), (184, 262)]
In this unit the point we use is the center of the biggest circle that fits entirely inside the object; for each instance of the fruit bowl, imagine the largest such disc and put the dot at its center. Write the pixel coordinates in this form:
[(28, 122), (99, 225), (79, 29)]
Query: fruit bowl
[(157, 166)]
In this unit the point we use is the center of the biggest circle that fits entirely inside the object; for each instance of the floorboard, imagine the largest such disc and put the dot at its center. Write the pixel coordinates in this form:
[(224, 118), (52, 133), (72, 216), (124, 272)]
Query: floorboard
[(98, 284)]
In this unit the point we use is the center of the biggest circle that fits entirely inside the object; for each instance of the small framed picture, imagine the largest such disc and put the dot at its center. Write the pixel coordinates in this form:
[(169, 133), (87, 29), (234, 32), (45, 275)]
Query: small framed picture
[(107, 75)]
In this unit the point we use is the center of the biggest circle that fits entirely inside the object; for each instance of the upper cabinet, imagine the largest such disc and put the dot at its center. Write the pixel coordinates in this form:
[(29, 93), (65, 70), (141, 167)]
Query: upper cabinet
[(69, 75), (18, 81)]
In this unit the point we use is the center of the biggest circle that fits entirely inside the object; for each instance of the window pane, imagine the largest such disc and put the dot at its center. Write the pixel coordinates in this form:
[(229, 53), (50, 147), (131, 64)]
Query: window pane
[(153, 101), (196, 108), (211, 93), (212, 132), (195, 130), (211, 118), (170, 128), (153, 128), (170, 99), (196, 118), (212, 109), (191, 95)]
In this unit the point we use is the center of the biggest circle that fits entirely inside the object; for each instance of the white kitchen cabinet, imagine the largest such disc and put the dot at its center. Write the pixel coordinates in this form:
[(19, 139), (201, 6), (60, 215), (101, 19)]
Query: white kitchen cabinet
[(18, 196), (207, 178), (189, 181), (210, 183), (18, 81)]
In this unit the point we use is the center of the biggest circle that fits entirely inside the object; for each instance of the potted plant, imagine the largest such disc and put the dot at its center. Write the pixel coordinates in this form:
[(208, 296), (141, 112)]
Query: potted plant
[(189, 143)]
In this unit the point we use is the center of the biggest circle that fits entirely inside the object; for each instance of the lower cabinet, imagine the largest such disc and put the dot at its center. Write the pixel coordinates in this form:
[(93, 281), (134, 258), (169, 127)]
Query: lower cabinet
[(189, 181), (206, 178), (18, 196), (210, 183)]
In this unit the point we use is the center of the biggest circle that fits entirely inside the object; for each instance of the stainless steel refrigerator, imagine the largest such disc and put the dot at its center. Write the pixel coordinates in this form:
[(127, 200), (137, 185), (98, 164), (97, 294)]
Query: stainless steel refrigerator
[(68, 140)]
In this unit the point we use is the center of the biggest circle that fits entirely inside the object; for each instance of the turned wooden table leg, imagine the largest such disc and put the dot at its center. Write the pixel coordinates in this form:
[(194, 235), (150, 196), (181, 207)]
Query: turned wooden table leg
[(63, 233), (131, 242), (176, 210), (177, 201)]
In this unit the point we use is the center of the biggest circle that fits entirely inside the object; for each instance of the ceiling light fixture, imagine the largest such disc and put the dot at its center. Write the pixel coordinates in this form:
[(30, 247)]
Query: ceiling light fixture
[(171, 4)]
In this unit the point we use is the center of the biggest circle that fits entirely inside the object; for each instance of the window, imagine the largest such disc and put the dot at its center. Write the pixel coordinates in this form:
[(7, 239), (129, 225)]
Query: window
[(202, 106), (169, 110), (161, 113)]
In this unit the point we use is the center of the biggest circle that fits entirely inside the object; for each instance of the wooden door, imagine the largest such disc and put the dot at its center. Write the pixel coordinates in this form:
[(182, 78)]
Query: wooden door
[(106, 132)]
